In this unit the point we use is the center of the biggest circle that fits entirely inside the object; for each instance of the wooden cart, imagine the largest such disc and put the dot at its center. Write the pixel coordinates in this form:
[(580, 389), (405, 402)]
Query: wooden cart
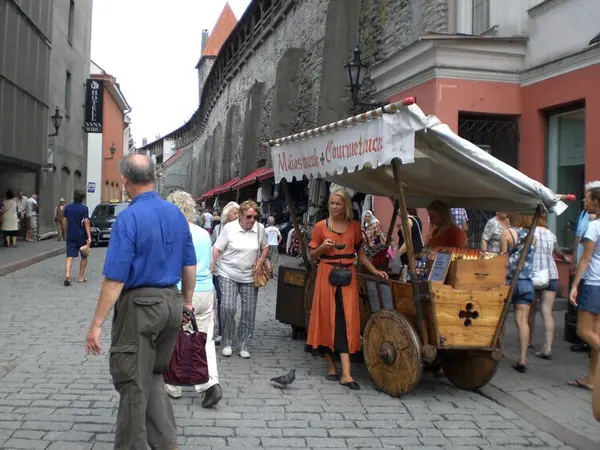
[(408, 325)]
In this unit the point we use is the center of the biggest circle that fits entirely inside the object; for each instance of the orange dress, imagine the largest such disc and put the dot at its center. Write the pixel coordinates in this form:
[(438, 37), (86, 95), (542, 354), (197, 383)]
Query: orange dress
[(323, 319)]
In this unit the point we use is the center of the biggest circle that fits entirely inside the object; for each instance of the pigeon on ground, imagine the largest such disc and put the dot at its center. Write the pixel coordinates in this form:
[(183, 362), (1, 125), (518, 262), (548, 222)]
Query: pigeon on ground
[(285, 380)]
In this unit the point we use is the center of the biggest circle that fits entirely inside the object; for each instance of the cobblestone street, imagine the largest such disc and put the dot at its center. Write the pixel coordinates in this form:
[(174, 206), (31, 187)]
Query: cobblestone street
[(53, 396)]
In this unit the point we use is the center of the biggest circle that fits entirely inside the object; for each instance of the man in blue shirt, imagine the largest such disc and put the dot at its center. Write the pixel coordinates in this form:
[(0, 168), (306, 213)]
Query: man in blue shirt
[(149, 253), (77, 217)]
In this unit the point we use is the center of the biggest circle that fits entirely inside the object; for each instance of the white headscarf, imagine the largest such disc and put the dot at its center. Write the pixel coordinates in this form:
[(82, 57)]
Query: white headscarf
[(374, 219)]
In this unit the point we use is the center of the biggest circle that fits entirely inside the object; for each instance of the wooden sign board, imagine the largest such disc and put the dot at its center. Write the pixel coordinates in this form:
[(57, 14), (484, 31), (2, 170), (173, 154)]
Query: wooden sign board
[(440, 267)]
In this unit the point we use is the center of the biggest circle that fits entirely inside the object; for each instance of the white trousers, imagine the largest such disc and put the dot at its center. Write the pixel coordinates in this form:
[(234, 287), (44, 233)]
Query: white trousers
[(203, 307)]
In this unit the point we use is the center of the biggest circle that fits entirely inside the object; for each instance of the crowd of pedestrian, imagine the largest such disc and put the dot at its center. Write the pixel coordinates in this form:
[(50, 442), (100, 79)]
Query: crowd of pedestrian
[(18, 216), (207, 261)]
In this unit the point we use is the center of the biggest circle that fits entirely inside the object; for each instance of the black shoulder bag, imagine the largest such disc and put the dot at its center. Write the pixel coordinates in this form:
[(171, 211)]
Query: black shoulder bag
[(341, 275)]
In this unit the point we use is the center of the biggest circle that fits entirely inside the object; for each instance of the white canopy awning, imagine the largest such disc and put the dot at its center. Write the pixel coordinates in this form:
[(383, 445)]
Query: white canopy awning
[(437, 164)]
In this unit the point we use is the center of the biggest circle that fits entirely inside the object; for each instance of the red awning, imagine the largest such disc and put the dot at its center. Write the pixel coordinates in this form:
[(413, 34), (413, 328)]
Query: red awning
[(258, 175), (208, 194), (226, 187)]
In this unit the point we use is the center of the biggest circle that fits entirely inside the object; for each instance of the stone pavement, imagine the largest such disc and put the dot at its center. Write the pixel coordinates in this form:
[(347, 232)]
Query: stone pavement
[(53, 396), (543, 388), (27, 253)]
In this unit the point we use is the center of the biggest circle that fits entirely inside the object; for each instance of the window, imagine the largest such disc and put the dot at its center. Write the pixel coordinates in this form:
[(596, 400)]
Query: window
[(68, 94), (566, 168), (106, 192), (108, 210), (481, 16), (71, 20)]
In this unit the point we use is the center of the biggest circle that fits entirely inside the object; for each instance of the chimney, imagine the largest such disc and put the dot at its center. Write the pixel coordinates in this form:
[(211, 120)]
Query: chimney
[(204, 39)]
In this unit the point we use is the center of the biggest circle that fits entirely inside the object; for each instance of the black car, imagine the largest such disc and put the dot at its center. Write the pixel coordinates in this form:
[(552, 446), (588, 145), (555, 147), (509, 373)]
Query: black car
[(103, 217)]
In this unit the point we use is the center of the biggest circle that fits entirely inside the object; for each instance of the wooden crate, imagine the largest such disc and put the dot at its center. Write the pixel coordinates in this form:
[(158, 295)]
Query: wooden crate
[(478, 273), (467, 317)]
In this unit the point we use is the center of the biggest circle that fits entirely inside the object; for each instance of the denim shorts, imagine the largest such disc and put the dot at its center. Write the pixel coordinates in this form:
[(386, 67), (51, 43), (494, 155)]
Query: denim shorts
[(552, 286), (524, 292), (589, 298)]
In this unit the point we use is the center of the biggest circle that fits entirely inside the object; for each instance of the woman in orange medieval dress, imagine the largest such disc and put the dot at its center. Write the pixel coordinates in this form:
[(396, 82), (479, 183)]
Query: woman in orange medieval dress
[(335, 316)]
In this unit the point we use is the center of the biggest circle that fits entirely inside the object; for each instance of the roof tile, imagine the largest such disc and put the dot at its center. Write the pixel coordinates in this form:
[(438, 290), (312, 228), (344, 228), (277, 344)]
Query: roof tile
[(225, 24)]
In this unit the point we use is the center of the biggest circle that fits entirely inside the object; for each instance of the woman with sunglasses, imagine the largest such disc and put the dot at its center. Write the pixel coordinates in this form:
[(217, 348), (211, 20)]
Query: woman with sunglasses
[(241, 249)]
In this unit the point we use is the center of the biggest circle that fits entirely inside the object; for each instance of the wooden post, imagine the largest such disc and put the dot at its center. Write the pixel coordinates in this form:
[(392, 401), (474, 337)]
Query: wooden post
[(389, 237), (294, 217), (412, 265), (515, 276)]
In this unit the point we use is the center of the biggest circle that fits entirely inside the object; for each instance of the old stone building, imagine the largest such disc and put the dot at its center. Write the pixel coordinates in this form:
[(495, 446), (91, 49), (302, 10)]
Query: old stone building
[(281, 70), (45, 48)]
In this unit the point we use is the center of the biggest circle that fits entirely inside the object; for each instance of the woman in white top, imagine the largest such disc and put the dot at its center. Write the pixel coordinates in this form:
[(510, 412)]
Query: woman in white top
[(242, 248), (229, 214), (546, 273), (10, 219), (587, 296)]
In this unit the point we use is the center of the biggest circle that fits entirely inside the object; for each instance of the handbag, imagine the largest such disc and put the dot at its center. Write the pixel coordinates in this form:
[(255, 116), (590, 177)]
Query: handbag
[(340, 275), (265, 271), (188, 365), (541, 279)]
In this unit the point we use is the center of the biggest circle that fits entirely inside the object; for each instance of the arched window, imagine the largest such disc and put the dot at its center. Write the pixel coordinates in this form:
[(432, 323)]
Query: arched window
[(106, 191), (78, 179)]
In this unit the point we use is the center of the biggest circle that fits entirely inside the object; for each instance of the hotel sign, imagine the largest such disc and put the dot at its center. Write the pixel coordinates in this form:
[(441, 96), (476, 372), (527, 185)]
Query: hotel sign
[(94, 96)]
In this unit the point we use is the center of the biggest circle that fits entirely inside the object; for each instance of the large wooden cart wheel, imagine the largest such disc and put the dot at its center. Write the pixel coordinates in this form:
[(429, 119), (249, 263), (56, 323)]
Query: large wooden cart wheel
[(470, 369), (392, 351)]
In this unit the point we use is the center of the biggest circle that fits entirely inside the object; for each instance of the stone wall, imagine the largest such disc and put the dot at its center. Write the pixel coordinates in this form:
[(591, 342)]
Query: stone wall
[(295, 78)]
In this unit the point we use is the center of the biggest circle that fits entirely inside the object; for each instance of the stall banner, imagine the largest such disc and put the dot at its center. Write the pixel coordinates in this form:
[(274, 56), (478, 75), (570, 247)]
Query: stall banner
[(371, 143)]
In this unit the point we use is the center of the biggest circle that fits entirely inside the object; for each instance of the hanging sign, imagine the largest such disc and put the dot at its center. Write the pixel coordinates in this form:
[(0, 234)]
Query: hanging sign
[(94, 96), (372, 142)]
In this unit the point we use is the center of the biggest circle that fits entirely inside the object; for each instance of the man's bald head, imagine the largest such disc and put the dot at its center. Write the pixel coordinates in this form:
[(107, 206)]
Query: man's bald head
[(137, 168)]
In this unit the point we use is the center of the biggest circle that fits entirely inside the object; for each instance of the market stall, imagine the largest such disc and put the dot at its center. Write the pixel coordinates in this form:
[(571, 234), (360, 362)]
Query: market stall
[(449, 306)]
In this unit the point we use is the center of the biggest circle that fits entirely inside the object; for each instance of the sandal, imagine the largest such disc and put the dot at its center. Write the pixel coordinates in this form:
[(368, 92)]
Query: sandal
[(352, 385), (543, 355), (580, 384), (332, 377), (520, 367), (82, 281), (67, 282)]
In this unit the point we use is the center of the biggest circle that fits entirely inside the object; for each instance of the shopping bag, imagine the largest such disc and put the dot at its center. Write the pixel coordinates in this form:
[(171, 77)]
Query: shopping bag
[(396, 266), (188, 364)]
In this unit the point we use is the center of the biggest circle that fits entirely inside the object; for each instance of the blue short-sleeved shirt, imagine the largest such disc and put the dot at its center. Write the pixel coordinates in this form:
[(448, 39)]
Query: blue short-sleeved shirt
[(150, 243), (76, 213)]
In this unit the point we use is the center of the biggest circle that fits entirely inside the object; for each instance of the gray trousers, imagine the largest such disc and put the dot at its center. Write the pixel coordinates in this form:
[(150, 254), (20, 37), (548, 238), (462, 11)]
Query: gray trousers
[(145, 325), (248, 297)]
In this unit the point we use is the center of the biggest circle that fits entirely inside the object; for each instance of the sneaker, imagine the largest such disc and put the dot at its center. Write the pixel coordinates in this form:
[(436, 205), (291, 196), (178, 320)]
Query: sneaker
[(227, 351), (244, 354), (173, 391), (218, 340), (213, 395)]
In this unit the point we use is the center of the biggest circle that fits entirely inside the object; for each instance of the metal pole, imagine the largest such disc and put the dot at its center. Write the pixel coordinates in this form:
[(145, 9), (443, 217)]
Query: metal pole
[(515, 276), (412, 265), (294, 217)]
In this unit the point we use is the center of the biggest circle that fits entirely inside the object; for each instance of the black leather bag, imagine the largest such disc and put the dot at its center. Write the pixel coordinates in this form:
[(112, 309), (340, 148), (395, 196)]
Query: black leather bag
[(340, 276)]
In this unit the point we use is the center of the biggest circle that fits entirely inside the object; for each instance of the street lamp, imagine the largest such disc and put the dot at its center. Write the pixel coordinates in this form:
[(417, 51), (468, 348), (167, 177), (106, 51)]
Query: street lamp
[(56, 121), (357, 71), (112, 149)]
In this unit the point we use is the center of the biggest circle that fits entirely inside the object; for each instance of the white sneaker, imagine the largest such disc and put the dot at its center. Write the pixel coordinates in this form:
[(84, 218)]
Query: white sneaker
[(244, 354), (173, 391), (227, 351), (218, 339)]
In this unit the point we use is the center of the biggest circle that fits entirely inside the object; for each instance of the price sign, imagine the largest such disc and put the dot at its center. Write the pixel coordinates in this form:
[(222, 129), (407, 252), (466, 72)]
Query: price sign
[(439, 270)]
